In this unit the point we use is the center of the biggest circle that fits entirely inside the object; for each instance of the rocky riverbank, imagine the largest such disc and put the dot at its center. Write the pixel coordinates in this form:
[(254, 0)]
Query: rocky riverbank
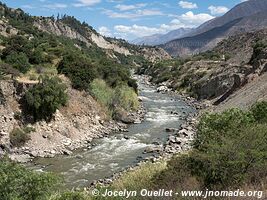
[(72, 127)]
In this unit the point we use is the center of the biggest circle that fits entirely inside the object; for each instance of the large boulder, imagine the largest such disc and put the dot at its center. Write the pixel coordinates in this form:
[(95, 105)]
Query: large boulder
[(122, 115)]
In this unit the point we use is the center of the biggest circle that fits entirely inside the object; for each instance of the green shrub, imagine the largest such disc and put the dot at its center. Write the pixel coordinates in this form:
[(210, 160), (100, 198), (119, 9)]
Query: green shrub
[(102, 92), (46, 97), (233, 160), (6, 69), (36, 57), (18, 183), (214, 127), (79, 70), (19, 61), (230, 151), (121, 97), (259, 111), (126, 98)]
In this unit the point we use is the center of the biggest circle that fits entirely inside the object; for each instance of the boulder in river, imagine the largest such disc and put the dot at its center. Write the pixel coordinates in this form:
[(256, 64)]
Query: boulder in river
[(171, 130), (153, 149), (163, 89)]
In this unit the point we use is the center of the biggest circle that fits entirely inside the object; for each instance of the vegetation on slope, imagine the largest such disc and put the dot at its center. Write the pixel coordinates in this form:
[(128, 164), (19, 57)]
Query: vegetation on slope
[(32, 54), (184, 74)]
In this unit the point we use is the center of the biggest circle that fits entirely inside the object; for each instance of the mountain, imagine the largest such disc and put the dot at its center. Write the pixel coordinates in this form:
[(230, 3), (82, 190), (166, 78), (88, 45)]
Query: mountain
[(158, 39), (247, 16)]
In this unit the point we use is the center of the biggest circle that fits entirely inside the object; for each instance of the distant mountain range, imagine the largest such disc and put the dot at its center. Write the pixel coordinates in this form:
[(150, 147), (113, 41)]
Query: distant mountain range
[(247, 16), (158, 39)]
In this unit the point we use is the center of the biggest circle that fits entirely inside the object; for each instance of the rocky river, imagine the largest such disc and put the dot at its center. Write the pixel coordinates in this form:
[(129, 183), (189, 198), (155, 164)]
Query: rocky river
[(165, 114)]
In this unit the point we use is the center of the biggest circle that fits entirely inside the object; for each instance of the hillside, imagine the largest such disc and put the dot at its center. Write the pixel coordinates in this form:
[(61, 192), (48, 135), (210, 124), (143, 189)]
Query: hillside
[(216, 74), (245, 17)]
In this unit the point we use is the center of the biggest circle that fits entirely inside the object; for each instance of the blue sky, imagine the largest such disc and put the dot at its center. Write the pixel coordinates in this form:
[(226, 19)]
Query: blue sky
[(130, 19)]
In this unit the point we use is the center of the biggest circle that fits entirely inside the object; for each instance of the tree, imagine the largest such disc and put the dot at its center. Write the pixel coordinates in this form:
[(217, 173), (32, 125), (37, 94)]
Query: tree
[(36, 57), (79, 70), (19, 61), (46, 97)]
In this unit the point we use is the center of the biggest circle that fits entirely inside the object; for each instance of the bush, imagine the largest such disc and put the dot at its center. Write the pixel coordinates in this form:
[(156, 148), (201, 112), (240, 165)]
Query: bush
[(18, 137), (230, 151), (46, 97), (126, 98), (6, 69), (102, 92), (19, 61), (213, 128), (79, 70), (18, 183), (36, 57), (259, 111), (230, 162), (120, 97)]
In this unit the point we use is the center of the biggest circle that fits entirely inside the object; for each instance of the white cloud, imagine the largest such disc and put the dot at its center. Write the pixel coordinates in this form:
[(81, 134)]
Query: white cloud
[(85, 3), (123, 7), (191, 19), (187, 5), (132, 15), (55, 6), (187, 20), (140, 31), (103, 30), (135, 30), (218, 10)]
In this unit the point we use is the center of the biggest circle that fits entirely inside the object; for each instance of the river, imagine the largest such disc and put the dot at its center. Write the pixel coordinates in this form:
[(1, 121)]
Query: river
[(119, 151)]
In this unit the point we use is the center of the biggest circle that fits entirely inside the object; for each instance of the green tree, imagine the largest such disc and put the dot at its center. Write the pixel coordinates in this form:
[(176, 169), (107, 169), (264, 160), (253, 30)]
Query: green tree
[(259, 111), (19, 61), (46, 97), (36, 57), (79, 70)]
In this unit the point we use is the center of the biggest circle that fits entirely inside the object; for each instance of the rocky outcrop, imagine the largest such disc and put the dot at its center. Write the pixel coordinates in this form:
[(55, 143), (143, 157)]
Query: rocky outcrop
[(6, 29), (89, 38), (154, 54), (60, 29)]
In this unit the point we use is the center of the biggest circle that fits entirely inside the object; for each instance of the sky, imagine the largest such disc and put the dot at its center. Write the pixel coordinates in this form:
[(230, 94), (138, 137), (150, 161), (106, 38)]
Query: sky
[(130, 19)]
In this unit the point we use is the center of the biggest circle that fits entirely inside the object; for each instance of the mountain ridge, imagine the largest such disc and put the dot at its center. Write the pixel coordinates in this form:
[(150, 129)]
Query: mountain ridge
[(248, 20), (158, 39)]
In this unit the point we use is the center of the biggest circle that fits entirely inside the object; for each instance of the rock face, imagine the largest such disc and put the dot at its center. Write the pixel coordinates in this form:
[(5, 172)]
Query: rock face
[(61, 29)]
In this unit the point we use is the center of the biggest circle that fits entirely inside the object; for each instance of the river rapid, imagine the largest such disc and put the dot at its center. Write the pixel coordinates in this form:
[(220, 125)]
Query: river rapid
[(121, 150)]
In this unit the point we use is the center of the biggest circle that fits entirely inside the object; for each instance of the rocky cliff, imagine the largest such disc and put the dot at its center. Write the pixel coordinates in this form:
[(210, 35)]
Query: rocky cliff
[(90, 37)]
